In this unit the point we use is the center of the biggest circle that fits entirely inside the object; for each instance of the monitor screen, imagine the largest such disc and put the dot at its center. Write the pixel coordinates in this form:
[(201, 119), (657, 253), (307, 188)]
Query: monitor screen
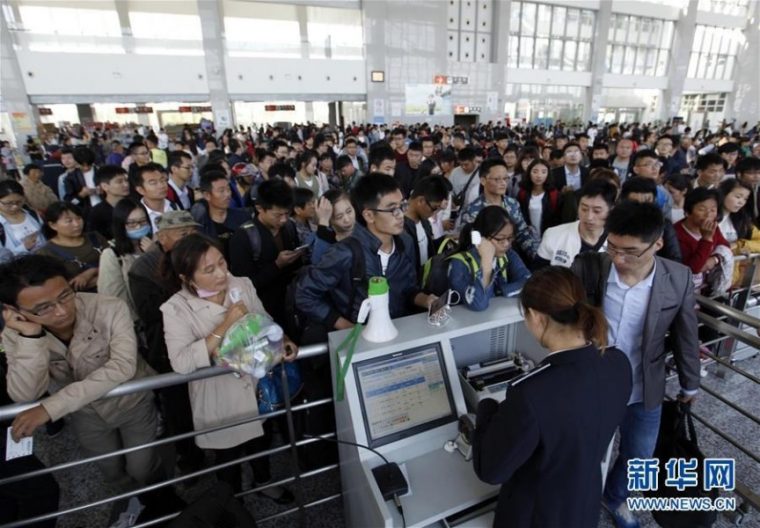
[(404, 394)]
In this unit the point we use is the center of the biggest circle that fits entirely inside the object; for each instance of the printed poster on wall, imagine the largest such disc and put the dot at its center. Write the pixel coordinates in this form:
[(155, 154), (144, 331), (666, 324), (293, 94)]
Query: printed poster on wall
[(428, 99)]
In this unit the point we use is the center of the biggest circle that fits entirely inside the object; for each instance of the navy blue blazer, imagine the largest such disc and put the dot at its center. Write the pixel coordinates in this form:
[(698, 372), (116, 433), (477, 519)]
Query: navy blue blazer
[(545, 442)]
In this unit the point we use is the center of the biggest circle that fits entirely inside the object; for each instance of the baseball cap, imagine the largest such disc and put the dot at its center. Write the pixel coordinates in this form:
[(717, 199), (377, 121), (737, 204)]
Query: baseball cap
[(175, 219)]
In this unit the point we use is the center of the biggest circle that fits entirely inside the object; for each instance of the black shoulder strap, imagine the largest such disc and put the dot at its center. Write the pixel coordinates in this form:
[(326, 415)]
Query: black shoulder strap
[(358, 271), (592, 277), (254, 238), (93, 238), (463, 193)]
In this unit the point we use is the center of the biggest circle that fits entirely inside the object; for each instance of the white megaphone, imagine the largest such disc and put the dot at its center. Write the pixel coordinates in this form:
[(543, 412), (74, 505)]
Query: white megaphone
[(380, 327)]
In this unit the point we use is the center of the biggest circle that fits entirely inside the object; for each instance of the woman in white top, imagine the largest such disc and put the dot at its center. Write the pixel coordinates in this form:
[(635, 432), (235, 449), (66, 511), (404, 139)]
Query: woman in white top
[(20, 227), (539, 200), (207, 302), (306, 176)]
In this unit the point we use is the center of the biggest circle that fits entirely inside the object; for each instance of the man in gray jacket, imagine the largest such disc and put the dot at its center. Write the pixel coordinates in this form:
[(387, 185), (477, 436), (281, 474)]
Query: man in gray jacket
[(657, 296)]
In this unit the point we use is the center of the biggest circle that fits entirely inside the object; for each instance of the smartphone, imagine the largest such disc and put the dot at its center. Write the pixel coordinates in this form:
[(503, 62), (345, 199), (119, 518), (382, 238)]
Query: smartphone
[(302, 248), (440, 302)]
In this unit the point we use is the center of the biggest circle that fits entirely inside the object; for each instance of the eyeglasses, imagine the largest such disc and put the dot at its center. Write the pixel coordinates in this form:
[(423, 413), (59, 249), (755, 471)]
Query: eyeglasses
[(433, 208), (48, 308), (136, 223), (187, 167), (13, 203), (628, 257), (395, 211)]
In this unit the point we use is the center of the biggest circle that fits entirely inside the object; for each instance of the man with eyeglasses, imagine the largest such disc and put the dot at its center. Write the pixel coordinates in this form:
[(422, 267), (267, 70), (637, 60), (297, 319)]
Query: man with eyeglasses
[(85, 343), (428, 196), (266, 249), (180, 173), (494, 179), (325, 291), (643, 297)]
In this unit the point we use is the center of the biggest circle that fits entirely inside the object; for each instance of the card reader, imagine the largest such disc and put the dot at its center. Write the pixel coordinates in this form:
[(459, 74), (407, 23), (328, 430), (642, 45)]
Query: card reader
[(390, 480)]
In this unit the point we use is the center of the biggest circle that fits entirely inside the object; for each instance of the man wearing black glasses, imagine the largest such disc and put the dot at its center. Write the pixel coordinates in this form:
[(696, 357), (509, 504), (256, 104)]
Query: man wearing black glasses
[(428, 196), (86, 344), (327, 293), (643, 297)]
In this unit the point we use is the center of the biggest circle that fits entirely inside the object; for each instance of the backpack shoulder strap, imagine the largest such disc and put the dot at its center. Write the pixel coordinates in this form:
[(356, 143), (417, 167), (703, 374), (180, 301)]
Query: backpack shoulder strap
[(592, 276), (358, 272), (92, 237), (254, 238), (468, 260)]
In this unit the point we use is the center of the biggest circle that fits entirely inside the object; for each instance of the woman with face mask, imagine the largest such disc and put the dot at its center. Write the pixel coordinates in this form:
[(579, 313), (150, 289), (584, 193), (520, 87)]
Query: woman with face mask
[(132, 236), (207, 302)]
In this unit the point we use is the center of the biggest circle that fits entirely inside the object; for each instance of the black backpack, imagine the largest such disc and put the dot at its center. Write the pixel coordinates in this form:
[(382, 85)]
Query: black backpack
[(435, 272), (304, 331)]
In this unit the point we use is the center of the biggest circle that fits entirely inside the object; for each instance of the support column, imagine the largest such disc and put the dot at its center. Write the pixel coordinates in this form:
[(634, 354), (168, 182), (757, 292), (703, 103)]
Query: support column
[(680, 53), (374, 15), (86, 116), (598, 62), (212, 29), (502, 17), (744, 103), (15, 100), (332, 108), (122, 9)]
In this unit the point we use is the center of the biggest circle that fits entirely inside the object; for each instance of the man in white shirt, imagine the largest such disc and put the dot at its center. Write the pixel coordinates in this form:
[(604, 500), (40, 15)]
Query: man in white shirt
[(561, 244), (151, 183), (464, 179), (163, 139)]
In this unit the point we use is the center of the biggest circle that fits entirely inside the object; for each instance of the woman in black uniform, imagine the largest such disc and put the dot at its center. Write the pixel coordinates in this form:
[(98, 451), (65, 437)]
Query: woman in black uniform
[(545, 442)]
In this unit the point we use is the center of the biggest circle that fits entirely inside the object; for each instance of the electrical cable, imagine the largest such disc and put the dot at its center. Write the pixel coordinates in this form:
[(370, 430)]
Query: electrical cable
[(396, 498)]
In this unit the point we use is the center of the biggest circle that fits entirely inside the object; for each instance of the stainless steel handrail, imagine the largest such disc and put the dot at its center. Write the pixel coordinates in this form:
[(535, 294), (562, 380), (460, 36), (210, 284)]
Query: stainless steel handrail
[(728, 311), (160, 381)]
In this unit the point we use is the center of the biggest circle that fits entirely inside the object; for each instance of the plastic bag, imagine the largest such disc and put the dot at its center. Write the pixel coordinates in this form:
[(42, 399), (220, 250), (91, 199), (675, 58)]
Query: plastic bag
[(252, 345)]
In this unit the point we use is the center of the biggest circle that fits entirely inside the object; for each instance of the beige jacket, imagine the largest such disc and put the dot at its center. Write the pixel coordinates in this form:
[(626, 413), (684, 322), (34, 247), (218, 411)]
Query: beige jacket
[(188, 321), (113, 279), (101, 356)]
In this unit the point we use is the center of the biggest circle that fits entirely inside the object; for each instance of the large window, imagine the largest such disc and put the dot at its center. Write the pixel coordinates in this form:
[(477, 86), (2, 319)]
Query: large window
[(67, 29), (550, 37), (46, 20), (713, 53), (639, 45), (339, 30), (725, 7)]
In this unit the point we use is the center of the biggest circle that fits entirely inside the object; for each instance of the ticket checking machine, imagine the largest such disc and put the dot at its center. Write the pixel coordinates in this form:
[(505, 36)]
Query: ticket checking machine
[(403, 398)]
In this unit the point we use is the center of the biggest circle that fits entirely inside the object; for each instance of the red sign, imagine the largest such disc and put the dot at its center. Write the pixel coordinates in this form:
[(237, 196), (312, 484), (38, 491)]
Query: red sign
[(44, 111), (279, 108), (187, 109), (123, 110)]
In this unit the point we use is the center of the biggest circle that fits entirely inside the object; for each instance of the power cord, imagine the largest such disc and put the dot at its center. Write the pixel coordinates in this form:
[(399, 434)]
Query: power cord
[(396, 498)]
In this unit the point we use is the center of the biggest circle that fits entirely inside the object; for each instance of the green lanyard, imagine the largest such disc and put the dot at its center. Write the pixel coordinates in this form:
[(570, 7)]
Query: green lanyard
[(342, 369)]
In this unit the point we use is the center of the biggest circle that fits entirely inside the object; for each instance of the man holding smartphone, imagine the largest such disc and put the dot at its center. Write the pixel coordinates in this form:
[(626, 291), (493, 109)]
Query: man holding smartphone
[(266, 249)]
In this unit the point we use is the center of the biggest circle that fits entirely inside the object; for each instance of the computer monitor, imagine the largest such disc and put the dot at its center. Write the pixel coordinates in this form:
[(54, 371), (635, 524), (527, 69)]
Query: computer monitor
[(404, 393)]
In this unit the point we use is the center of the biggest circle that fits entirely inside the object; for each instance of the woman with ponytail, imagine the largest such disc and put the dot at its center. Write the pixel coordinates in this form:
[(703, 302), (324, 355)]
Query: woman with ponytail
[(545, 442), (490, 267)]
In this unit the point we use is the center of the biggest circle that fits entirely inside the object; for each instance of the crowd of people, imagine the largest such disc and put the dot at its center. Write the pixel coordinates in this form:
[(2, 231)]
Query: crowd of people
[(128, 252)]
